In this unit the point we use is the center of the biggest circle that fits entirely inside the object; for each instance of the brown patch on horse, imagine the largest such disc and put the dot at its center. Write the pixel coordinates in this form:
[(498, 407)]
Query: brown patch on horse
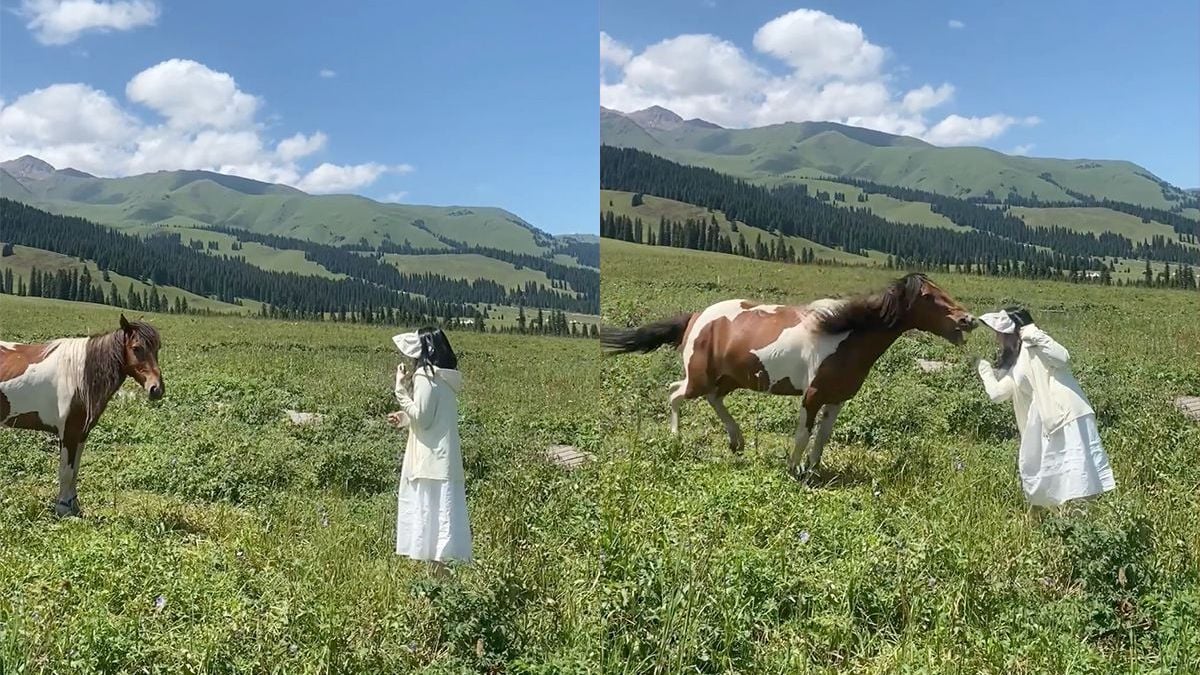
[(31, 421), (723, 352), (16, 360)]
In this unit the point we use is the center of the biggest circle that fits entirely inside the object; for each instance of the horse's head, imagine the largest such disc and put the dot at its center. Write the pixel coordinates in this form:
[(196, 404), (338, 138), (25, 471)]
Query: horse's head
[(917, 302), (141, 343)]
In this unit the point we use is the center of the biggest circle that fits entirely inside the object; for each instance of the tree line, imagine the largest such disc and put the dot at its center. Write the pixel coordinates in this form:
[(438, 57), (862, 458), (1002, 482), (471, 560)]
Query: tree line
[(366, 262)]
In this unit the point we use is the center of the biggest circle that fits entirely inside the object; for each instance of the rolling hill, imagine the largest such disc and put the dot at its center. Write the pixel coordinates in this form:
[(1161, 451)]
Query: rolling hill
[(795, 150), (481, 256)]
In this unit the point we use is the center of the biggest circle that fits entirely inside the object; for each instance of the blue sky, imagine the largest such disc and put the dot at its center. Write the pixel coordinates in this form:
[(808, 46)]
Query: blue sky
[(1099, 80), (475, 103)]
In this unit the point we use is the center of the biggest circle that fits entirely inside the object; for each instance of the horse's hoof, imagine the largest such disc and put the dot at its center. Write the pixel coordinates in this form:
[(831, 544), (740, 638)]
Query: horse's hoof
[(68, 509)]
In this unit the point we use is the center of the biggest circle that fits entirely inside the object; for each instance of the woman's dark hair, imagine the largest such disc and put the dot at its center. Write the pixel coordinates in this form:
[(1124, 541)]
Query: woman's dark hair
[(1019, 315), (435, 350), (1010, 348)]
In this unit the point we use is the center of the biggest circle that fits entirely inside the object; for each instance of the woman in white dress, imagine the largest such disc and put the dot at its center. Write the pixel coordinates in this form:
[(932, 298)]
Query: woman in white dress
[(1061, 457), (431, 515)]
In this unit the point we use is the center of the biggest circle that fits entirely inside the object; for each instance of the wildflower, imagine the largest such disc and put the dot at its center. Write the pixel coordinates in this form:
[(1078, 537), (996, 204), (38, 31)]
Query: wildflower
[(804, 537), (160, 603)]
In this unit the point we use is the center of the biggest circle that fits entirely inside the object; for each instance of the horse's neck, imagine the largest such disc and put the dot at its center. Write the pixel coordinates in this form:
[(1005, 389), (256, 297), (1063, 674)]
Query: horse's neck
[(871, 344)]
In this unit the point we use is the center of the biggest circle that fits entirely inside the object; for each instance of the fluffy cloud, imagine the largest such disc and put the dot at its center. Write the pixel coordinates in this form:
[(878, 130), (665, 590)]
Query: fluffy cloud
[(613, 52), (202, 121), (394, 197), (1023, 149), (831, 71), (59, 22), (955, 23), (327, 73)]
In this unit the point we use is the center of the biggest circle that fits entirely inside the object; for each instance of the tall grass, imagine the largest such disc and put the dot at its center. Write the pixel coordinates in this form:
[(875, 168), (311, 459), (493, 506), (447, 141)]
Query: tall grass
[(916, 552)]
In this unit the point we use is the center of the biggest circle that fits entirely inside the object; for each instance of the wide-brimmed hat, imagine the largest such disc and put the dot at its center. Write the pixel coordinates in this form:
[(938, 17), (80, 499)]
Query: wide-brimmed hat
[(409, 344), (1000, 322)]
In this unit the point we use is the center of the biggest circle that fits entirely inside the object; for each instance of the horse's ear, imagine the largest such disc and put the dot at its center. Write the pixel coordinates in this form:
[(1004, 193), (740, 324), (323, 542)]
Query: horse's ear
[(889, 309), (125, 324)]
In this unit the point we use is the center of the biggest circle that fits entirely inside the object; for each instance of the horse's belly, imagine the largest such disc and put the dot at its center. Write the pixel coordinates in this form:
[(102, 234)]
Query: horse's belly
[(30, 402), (791, 362)]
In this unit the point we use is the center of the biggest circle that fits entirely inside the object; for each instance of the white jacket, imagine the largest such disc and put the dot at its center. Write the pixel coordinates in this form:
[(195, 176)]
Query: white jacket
[(1052, 389), (433, 444)]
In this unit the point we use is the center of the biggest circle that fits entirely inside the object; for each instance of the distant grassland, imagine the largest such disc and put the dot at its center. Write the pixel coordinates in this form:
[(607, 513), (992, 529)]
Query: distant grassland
[(653, 209), (269, 547), (915, 552), (25, 259)]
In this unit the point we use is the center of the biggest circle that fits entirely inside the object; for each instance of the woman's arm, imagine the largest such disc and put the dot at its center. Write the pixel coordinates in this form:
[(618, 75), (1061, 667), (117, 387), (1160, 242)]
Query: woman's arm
[(1038, 340), (421, 406), (999, 389)]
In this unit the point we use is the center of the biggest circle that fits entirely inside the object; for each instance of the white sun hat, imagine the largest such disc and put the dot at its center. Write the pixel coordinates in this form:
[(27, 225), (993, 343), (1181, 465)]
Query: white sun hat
[(409, 344), (1000, 322)]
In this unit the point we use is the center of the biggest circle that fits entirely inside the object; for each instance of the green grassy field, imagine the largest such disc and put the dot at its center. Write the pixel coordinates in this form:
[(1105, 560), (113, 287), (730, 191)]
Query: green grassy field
[(915, 552), (25, 259), (654, 208), (217, 538), (468, 266)]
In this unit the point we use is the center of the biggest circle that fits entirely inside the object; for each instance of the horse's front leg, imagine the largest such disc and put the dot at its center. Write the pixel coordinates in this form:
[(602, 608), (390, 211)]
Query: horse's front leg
[(70, 452), (803, 432), (828, 417)]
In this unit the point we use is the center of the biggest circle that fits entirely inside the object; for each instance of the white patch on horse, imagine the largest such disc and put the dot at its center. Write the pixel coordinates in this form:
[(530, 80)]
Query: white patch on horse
[(799, 350), (726, 309), (48, 387)]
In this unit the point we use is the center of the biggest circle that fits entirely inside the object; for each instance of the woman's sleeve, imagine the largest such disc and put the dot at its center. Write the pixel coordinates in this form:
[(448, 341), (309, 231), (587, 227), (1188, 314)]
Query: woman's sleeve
[(1045, 346), (419, 407), (999, 389)]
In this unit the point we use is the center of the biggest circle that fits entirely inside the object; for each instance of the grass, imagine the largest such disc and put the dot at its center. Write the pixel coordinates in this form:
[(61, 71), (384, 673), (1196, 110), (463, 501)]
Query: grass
[(468, 266), (653, 209), (218, 538), (915, 552), (1095, 220), (25, 259), (261, 256)]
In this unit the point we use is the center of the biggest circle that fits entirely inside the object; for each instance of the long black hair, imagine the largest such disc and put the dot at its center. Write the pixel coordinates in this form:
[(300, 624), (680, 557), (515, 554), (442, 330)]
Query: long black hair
[(1010, 343), (435, 350)]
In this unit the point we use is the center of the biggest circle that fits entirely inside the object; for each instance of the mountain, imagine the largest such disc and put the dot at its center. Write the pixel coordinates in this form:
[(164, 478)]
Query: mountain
[(786, 153), (194, 199)]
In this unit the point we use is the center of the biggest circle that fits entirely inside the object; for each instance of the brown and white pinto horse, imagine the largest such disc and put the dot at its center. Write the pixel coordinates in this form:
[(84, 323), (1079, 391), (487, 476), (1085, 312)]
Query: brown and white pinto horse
[(62, 387), (821, 351)]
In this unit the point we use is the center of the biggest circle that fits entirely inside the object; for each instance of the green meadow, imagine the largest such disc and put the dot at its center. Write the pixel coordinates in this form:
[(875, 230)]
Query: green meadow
[(914, 551)]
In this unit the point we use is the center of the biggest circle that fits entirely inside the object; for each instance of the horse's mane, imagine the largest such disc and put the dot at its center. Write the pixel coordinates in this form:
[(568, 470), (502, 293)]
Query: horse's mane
[(877, 311), (104, 366)]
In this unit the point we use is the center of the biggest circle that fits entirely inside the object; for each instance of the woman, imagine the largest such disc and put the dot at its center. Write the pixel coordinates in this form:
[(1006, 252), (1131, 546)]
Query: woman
[(1061, 457), (431, 516)]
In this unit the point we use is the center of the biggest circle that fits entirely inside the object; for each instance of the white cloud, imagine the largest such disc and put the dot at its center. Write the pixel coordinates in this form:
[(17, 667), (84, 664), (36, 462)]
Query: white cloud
[(831, 72), (300, 145), (202, 121), (333, 178), (819, 47), (1023, 149), (59, 22), (959, 130), (191, 95), (612, 51), (955, 23), (327, 73), (394, 197)]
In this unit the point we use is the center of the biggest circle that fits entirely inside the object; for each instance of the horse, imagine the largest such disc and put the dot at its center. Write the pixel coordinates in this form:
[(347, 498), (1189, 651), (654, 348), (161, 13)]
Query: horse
[(63, 386), (821, 352)]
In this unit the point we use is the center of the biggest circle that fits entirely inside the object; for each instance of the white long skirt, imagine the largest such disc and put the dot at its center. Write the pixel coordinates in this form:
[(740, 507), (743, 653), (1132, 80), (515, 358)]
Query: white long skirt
[(431, 520), (1069, 464)]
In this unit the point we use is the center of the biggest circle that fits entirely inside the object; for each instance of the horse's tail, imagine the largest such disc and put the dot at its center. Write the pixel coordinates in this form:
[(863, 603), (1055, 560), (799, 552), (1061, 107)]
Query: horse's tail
[(645, 338)]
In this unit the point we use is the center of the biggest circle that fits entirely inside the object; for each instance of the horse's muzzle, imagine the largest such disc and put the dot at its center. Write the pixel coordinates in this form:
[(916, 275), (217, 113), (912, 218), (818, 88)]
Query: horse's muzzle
[(968, 323), (156, 391)]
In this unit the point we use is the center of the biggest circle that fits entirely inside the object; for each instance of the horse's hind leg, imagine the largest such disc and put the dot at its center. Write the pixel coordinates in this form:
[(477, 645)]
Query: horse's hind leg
[(70, 452), (828, 416), (676, 401), (736, 442)]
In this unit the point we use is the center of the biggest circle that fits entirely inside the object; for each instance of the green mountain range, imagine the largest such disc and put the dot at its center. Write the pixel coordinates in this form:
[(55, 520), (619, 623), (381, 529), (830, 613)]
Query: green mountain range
[(793, 151), (204, 198)]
